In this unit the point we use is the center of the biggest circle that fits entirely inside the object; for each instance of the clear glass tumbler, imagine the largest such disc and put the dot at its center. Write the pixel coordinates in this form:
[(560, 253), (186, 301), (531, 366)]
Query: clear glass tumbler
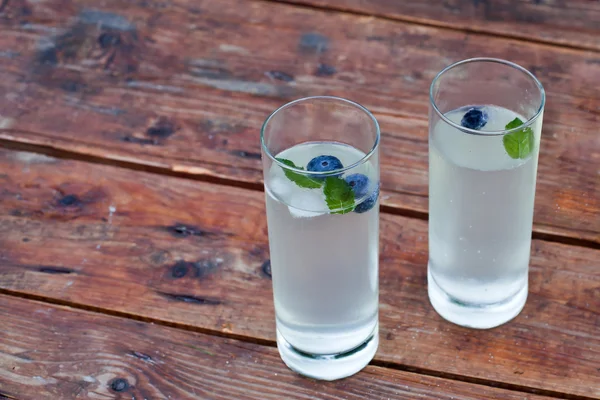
[(321, 175), (485, 123)]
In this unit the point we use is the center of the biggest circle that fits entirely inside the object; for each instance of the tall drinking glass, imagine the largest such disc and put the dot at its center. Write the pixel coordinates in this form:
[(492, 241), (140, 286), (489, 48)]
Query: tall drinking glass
[(485, 123), (321, 174)]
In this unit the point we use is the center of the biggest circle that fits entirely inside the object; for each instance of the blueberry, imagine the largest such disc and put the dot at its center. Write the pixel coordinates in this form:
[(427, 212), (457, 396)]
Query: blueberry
[(359, 184), (474, 119), (368, 203), (324, 164)]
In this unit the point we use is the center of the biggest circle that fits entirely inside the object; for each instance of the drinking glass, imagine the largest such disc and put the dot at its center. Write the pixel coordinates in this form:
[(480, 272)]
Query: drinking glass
[(321, 175), (485, 123)]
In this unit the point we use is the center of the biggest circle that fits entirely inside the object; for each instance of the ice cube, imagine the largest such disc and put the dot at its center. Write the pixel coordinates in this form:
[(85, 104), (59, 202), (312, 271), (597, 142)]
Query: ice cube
[(281, 187), (307, 203)]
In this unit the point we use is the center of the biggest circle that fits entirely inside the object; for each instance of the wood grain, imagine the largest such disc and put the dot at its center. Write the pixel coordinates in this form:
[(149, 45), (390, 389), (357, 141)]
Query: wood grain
[(51, 352), (185, 88), (571, 23), (195, 255)]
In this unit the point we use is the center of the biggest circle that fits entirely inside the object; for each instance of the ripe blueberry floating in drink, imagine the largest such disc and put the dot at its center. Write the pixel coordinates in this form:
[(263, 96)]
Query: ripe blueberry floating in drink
[(475, 118), (368, 203), (324, 163), (360, 185)]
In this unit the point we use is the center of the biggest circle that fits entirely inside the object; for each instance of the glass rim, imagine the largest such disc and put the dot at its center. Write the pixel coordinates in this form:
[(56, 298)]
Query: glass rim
[(364, 159), (503, 132)]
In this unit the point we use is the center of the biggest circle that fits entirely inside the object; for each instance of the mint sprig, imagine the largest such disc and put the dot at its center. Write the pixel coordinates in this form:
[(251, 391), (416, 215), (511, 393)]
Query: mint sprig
[(301, 180), (518, 144), (339, 195)]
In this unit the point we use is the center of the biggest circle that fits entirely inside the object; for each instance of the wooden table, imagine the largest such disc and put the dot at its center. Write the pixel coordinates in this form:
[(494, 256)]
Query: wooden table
[(134, 260)]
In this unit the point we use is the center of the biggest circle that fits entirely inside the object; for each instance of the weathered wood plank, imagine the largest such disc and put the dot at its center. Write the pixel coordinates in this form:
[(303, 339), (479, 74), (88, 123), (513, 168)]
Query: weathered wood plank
[(196, 254), (186, 87), (51, 352), (571, 23)]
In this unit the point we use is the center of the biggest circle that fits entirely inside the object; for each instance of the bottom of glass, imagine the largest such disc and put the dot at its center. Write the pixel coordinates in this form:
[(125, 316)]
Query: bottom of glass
[(474, 315), (329, 367)]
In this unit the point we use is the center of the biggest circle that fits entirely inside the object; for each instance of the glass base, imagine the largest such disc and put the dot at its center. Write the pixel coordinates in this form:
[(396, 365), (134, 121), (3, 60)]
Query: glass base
[(474, 315), (329, 366)]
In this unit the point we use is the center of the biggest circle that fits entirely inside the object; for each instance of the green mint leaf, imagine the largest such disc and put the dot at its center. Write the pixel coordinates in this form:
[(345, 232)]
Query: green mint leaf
[(338, 195), (518, 144), (301, 180)]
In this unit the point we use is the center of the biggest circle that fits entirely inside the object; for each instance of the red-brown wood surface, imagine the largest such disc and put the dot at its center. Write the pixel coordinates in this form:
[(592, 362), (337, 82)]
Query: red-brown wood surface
[(184, 86), (572, 23), (194, 254), (51, 352), (141, 279)]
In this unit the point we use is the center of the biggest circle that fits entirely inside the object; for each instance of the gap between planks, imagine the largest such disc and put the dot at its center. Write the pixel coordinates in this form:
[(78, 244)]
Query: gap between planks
[(70, 155), (432, 24), (270, 343)]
